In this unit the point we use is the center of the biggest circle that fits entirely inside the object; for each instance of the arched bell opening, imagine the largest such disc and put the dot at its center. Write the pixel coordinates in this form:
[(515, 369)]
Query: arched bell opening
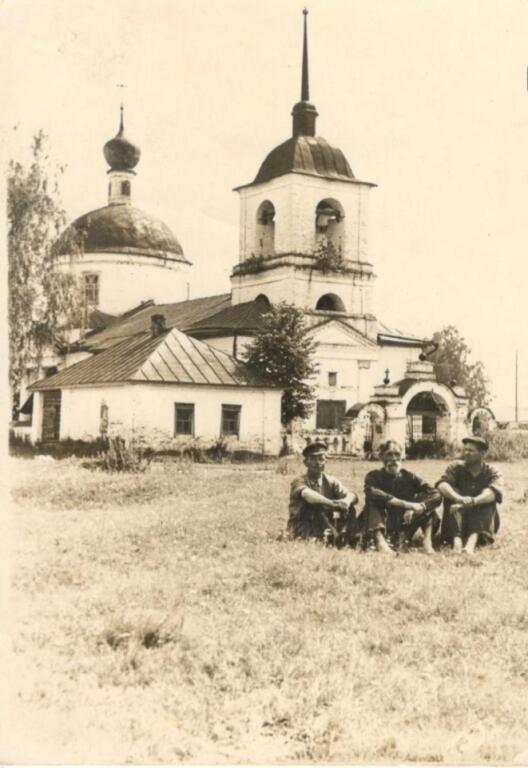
[(329, 225), (265, 229), (330, 302)]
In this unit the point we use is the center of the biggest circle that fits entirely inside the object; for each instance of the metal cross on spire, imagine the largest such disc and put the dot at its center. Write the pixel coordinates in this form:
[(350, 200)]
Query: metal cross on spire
[(121, 108)]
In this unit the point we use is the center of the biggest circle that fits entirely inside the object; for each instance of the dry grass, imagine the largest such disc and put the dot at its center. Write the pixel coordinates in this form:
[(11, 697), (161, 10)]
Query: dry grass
[(162, 618)]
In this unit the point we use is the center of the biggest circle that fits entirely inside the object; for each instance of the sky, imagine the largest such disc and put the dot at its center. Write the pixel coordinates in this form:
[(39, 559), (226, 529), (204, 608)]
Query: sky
[(427, 98)]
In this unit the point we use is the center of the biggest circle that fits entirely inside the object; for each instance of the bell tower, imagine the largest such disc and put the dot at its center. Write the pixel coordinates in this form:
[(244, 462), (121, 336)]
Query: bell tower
[(303, 224)]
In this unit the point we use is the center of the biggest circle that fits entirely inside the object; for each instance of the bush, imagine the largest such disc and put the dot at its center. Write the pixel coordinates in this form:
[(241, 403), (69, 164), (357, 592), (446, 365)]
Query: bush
[(429, 449), (507, 445), (20, 446), (61, 449), (117, 456)]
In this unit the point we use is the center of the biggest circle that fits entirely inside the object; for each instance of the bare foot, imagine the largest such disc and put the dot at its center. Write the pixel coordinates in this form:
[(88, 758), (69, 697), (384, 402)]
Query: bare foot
[(382, 545)]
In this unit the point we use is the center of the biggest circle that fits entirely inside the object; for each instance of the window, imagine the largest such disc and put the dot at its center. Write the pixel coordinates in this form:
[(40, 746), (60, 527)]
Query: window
[(91, 289), (230, 420), (332, 379), (329, 414), (330, 302), (265, 229), (329, 226), (125, 188), (184, 419)]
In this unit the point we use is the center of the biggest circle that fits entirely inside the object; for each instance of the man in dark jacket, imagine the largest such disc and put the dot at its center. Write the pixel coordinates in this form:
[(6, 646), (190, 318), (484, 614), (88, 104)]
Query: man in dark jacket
[(471, 489), (397, 503), (320, 506)]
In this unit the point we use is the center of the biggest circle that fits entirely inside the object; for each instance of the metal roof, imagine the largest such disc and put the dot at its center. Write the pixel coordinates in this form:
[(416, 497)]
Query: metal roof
[(171, 358), (245, 317), (311, 155), (121, 229), (182, 315)]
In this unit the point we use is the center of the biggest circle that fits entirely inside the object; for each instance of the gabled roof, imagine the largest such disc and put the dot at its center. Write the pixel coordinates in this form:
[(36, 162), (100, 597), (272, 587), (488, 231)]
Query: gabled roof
[(182, 315), (238, 318), (171, 358)]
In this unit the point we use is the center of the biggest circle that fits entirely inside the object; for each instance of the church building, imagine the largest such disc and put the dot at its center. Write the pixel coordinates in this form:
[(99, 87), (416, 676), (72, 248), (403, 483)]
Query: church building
[(303, 239)]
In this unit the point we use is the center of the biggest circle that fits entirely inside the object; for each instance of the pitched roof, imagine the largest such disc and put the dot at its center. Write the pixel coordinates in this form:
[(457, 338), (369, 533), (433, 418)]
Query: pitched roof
[(172, 358), (245, 317), (182, 315)]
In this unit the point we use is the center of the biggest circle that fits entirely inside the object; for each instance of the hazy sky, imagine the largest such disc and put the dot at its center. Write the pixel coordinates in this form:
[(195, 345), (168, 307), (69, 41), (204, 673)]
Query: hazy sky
[(428, 99)]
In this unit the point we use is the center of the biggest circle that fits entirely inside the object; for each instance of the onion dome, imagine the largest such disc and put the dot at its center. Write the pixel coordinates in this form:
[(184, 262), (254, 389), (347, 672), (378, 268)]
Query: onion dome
[(121, 229), (305, 152), (119, 152)]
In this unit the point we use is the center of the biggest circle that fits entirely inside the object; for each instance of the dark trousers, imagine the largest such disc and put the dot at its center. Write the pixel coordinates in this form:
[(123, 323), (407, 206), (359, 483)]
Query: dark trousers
[(482, 520), (390, 520), (315, 522)]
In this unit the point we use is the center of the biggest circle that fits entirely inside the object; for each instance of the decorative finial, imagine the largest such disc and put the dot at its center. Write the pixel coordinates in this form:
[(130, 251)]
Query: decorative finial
[(304, 113), (122, 109), (305, 88)]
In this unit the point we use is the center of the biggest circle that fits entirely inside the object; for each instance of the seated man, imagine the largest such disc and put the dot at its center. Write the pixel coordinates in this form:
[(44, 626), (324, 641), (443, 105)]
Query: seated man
[(471, 489), (397, 503), (320, 507)]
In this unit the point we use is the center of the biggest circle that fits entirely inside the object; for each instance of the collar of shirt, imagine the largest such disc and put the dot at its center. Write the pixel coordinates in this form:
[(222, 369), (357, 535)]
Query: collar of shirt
[(315, 485)]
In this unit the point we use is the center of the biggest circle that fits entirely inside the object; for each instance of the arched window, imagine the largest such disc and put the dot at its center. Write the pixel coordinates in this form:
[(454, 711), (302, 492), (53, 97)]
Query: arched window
[(330, 302), (263, 300), (329, 226), (125, 188), (265, 230)]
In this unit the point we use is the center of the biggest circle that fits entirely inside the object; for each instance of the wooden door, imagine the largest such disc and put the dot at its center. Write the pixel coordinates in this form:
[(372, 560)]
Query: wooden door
[(51, 410)]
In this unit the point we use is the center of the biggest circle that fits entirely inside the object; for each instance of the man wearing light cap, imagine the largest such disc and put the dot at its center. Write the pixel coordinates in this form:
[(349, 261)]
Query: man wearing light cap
[(320, 506), (471, 489)]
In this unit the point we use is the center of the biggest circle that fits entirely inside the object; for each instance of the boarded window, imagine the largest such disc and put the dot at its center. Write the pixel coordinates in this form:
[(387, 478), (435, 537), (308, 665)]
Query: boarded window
[(330, 413), (91, 289), (230, 420), (184, 419)]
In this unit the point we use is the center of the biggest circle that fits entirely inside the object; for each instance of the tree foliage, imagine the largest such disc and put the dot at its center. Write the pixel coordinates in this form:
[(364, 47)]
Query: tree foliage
[(452, 366), (41, 299), (282, 354)]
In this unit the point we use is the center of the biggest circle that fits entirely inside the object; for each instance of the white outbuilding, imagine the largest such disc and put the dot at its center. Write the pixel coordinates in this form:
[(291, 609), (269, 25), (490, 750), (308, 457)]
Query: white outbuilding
[(162, 385)]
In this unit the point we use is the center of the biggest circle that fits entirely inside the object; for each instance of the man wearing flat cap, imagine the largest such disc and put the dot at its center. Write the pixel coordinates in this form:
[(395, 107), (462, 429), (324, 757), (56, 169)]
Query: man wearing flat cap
[(471, 489), (320, 506)]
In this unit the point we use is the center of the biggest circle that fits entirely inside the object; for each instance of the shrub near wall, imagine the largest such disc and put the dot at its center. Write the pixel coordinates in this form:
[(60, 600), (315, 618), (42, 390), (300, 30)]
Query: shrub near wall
[(507, 445)]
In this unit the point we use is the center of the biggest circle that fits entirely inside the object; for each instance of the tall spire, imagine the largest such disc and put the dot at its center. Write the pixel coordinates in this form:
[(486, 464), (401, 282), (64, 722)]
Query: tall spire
[(304, 113), (305, 87), (121, 120)]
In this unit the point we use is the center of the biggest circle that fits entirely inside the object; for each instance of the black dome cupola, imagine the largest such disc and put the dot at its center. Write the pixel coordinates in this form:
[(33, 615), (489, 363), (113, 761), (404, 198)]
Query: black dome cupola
[(120, 153)]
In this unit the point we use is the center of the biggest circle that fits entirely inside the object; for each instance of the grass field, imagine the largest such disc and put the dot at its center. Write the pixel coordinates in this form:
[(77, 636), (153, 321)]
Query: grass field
[(163, 618)]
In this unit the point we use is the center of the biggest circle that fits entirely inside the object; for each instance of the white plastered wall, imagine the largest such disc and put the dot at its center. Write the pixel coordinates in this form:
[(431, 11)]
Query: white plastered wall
[(125, 280), (149, 408), (295, 198)]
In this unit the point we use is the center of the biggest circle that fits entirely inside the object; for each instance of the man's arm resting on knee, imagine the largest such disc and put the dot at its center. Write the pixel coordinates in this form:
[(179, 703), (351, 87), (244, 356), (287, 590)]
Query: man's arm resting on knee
[(448, 492), (312, 497)]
